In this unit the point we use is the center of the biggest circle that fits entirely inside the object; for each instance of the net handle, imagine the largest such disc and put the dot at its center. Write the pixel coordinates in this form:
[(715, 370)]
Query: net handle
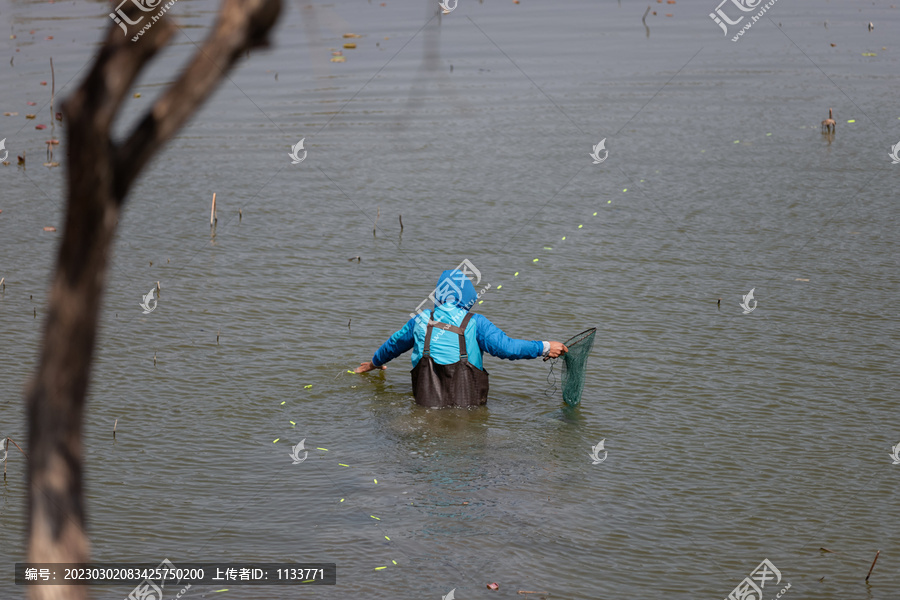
[(580, 335)]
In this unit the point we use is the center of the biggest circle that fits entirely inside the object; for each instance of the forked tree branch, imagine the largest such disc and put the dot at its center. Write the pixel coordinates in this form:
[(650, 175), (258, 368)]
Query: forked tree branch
[(99, 176)]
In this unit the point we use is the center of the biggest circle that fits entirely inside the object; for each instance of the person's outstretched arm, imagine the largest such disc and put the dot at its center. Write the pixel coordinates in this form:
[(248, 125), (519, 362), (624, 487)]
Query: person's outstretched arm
[(492, 340), (395, 345)]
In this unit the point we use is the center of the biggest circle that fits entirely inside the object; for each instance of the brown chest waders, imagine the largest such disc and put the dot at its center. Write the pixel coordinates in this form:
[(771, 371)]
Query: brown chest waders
[(459, 384)]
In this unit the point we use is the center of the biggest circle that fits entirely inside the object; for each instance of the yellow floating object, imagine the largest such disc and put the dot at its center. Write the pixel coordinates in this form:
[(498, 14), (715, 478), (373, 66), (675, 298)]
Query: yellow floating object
[(275, 440), (516, 274), (341, 500), (564, 237), (375, 480), (388, 539), (595, 214), (869, 54), (322, 449), (768, 134), (306, 387), (351, 372), (349, 45), (737, 141), (580, 226), (852, 121), (217, 591), (535, 260), (394, 561), (609, 201), (480, 301), (374, 517), (499, 286), (352, 35), (137, 95), (291, 422), (342, 465), (380, 568), (282, 404), (625, 190), (548, 248)]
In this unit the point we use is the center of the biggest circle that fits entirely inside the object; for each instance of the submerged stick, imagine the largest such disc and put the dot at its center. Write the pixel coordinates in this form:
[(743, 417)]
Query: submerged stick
[(873, 566), (212, 211)]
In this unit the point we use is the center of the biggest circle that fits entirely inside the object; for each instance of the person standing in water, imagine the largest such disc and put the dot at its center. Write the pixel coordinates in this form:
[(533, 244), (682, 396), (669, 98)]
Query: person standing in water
[(448, 370)]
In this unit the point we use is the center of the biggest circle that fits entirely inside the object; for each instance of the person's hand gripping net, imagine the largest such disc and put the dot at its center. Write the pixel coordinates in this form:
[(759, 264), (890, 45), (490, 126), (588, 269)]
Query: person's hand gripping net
[(557, 349)]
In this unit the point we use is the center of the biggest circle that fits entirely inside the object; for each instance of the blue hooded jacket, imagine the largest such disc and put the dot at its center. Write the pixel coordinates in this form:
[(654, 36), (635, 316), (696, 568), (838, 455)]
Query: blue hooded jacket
[(454, 296)]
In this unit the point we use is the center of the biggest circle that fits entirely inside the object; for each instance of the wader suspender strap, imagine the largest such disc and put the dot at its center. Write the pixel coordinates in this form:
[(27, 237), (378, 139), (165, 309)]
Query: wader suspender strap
[(460, 331)]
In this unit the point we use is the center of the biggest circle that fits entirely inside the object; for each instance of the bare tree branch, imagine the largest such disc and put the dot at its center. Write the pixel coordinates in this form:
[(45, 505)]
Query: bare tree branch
[(99, 176)]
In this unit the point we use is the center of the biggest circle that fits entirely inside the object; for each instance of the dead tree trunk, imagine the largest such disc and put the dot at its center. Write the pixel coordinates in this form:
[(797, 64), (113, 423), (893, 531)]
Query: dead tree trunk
[(100, 173)]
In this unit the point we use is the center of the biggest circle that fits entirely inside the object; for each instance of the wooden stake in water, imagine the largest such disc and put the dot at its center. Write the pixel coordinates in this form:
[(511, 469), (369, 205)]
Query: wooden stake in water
[(873, 566), (212, 212)]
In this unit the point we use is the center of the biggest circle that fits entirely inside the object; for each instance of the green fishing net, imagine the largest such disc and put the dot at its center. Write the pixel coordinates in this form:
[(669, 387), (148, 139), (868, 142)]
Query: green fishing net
[(575, 365)]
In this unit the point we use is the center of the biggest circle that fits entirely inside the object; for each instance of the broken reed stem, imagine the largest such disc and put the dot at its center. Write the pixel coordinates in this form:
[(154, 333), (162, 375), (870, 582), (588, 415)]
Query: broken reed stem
[(114, 428), (17, 446), (873, 566), (377, 214), (2, 285), (401, 223), (212, 211)]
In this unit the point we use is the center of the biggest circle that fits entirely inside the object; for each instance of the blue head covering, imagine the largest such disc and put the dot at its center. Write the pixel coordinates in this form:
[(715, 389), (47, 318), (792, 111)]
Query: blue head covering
[(454, 288)]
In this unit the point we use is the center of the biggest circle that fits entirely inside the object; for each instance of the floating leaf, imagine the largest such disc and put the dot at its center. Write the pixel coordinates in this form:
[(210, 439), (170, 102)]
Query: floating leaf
[(352, 35), (30, 116), (10, 114), (338, 59)]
